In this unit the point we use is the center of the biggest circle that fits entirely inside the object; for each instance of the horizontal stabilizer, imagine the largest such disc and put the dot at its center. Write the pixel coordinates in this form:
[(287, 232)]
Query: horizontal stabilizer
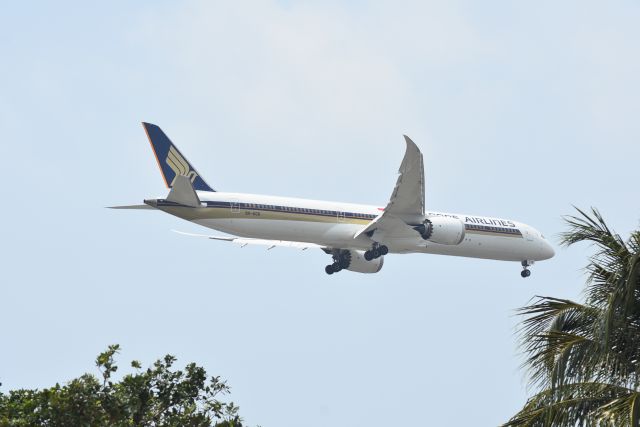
[(183, 193), (131, 207), (242, 241)]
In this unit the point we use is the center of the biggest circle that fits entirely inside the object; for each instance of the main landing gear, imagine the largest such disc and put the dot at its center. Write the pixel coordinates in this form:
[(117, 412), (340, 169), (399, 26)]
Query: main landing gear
[(376, 252), (525, 268), (341, 260)]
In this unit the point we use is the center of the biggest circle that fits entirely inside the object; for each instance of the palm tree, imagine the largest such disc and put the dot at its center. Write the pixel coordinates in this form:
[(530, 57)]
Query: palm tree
[(583, 359)]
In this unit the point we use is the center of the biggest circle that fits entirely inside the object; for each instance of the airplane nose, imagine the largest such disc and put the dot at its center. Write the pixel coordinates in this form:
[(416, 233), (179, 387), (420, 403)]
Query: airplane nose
[(547, 250)]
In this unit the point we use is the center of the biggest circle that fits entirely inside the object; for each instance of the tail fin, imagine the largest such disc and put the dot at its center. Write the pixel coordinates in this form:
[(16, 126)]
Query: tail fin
[(171, 162)]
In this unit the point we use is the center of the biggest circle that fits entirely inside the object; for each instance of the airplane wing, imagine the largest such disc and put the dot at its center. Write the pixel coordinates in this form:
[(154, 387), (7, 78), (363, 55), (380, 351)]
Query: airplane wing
[(407, 198), (243, 241), (406, 204)]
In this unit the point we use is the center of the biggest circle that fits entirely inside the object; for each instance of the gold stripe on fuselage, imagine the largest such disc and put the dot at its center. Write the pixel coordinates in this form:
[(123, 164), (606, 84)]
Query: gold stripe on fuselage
[(191, 214), (492, 233)]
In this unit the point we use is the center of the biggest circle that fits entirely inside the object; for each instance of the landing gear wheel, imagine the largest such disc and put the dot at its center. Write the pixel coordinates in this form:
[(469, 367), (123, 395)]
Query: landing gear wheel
[(341, 260), (383, 250), (368, 255), (376, 253), (525, 267)]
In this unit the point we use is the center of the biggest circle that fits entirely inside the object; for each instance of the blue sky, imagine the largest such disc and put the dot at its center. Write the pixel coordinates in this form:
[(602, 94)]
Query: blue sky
[(521, 109)]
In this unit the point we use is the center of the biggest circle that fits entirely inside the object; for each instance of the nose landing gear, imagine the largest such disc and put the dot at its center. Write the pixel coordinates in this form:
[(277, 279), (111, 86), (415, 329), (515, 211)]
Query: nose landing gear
[(525, 268)]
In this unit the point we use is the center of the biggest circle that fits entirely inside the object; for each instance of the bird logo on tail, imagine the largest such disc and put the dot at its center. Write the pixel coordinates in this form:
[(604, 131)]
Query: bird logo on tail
[(179, 165)]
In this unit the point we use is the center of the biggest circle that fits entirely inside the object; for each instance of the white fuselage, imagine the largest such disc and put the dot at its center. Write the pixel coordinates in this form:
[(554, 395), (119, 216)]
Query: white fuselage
[(335, 224)]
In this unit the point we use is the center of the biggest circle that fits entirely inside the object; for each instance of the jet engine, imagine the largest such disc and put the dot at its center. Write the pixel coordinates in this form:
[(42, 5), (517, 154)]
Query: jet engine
[(441, 229), (359, 264)]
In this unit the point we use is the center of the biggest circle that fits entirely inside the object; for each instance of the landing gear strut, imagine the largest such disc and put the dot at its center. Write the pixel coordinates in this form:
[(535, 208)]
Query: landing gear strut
[(376, 252), (525, 268), (341, 260)]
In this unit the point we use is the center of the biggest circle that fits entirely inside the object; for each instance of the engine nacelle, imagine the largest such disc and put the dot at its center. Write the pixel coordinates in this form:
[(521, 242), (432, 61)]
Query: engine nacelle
[(357, 263), (442, 229)]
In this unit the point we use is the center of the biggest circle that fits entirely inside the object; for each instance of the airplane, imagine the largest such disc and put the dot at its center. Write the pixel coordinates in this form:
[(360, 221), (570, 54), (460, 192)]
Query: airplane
[(356, 236)]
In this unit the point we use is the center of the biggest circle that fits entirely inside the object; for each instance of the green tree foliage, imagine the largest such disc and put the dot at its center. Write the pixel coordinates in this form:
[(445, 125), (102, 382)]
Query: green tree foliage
[(157, 396), (583, 359)]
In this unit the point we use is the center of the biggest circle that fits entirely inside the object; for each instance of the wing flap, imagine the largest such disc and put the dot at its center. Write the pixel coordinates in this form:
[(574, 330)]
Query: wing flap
[(387, 226)]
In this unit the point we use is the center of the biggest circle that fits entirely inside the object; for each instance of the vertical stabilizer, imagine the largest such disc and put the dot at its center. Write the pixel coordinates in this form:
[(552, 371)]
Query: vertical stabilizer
[(171, 162)]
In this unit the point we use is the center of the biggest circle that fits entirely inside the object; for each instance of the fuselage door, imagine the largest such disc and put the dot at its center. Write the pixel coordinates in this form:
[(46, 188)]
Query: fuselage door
[(341, 216), (528, 235), (235, 207)]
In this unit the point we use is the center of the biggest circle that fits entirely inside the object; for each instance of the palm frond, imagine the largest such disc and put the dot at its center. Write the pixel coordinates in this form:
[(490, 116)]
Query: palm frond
[(592, 228), (622, 411), (556, 339), (584, 358), (577, 405)]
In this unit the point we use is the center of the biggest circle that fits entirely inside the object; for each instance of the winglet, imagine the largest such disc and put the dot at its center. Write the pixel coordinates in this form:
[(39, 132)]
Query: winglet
[(408, 195), (170, 160)]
